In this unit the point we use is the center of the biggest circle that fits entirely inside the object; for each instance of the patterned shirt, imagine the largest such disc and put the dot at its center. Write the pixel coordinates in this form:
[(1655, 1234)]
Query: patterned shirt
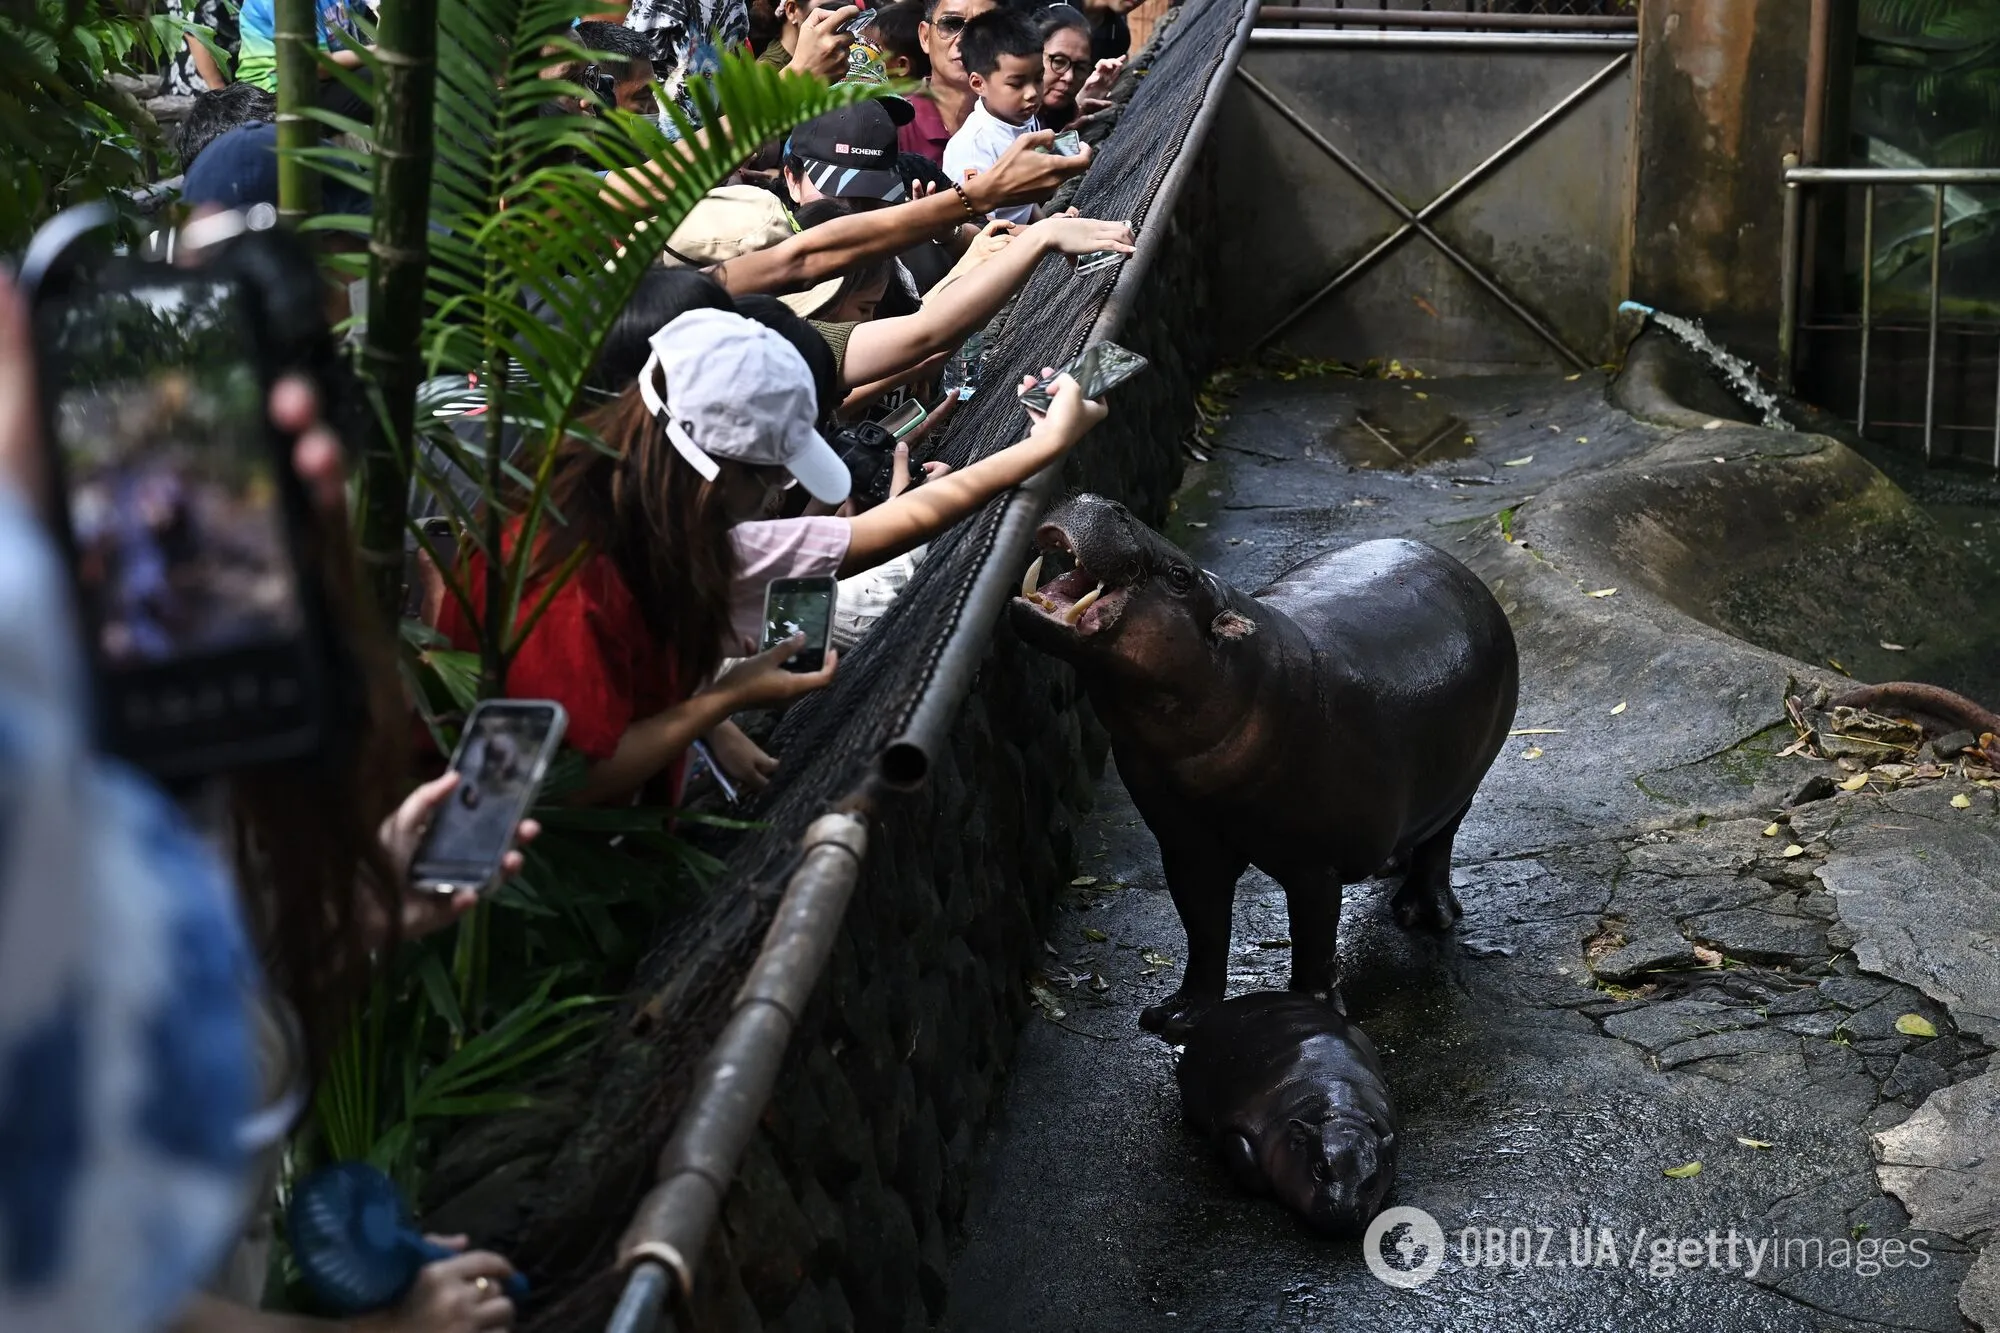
[(688, 37)]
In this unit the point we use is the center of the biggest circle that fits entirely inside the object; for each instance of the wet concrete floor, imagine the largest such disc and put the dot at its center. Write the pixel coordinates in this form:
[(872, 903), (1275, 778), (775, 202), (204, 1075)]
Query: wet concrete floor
[(1539, 1106)]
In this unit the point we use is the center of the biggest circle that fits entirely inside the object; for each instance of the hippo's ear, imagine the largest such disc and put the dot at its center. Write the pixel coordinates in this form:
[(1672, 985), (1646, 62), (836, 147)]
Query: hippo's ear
[(1242, 1161), (1230, 625)]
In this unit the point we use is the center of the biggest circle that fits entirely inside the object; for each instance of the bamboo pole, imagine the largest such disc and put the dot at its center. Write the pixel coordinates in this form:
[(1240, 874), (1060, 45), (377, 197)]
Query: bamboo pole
[(398, 264), (295, 34)]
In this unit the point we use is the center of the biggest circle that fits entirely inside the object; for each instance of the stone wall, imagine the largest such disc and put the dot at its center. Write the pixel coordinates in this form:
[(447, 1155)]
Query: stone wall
[(844, 1213)]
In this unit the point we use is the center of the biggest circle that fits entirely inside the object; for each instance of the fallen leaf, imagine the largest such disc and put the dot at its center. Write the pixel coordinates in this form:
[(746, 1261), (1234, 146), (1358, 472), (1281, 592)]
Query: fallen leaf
[(1154, 958), (1468, 439), (1083, 881), (1532, 752), (1915, 1025), (1197, 525), (1602, 592), (1770, 830), (1751, 1143), (1961, 802), (1793, 850), (1098, 983), (1423, 395), (1281, 942), (1519, 462), (1094, 935), (1583, 439), (1619, 709), (1571, 379), (1894, 647), (1838, 667), (1536, 731), (1706, 956), (1720, 459), (1685, 1171), (1713, 425), (1045, 1000), (1855, 783)]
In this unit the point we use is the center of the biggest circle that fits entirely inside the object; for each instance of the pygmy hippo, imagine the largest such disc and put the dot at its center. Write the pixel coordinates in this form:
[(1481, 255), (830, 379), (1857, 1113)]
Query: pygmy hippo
[(1291, 1094), (1337, 721)]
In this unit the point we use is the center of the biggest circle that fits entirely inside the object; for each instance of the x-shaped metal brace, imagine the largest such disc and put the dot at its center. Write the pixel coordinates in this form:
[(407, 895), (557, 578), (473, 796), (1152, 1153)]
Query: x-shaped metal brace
[(1417, 222)]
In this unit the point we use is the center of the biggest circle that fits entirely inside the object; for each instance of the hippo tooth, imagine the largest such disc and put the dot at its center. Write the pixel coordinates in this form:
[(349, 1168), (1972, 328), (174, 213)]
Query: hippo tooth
[(1083, 603), (1032, 579)]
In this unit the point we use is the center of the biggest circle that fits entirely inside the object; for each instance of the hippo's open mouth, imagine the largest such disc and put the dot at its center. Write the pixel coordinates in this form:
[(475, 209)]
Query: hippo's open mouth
[(1075, 598)]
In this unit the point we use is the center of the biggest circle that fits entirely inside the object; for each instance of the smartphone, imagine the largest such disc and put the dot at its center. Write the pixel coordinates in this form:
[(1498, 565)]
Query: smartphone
[(904, 419), (792, 605), (1098, 260), (860, 23), (1069, 143), (183, 520), (1096, 370), (503, 755)]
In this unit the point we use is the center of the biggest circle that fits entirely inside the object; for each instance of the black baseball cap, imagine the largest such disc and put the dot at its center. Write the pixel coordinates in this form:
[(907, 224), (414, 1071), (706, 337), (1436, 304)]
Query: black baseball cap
[(851, 153)]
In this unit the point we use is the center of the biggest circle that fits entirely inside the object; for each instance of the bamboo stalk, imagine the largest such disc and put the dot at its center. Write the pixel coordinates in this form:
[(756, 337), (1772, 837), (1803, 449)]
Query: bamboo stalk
[(398, 264), (295, 34)]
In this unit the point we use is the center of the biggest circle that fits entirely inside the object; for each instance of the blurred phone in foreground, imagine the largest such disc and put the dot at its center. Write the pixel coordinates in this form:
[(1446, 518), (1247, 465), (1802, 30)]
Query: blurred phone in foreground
[(503, 756), (183, 519), (804, 605), (1096, 370)]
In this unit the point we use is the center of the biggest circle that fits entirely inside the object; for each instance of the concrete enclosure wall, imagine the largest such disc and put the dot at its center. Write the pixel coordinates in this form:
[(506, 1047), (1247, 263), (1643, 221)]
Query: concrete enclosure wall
[(1548, 225)]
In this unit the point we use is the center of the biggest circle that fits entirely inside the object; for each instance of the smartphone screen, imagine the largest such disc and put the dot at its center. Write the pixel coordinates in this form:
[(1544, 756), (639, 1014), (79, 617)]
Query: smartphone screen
[(1069, 143), (502, 757), (904, 419), (792, 606), (1097, 369), (173, 502)]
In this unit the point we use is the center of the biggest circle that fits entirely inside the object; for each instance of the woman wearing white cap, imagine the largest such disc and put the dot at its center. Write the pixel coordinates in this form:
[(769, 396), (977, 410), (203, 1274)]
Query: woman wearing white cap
[(676, 557)]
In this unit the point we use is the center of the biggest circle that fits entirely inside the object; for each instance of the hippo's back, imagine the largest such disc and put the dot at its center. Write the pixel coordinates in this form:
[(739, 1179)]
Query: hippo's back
[(1249, 1048)]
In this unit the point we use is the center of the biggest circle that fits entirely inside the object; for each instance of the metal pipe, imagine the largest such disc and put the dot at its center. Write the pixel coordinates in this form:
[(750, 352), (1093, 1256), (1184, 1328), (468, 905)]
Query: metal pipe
[(1867, 300), (1819, 37), (1937, 295), (905, 761), (1398, 18), (1788, 282), (671, 1225), (1523, 42), (1893, 176)]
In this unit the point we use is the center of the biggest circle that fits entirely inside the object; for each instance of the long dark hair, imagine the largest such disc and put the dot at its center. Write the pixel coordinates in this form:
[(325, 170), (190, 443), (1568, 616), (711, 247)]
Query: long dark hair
[(665, 529)]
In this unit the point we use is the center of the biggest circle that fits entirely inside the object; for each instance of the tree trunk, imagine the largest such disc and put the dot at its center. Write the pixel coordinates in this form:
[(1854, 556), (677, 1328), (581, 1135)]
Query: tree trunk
[(295, 34), (398, 262)]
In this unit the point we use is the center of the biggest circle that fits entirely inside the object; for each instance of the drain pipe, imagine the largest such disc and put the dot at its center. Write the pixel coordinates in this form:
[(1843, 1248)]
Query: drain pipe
[(663, 1244), (906, 760)]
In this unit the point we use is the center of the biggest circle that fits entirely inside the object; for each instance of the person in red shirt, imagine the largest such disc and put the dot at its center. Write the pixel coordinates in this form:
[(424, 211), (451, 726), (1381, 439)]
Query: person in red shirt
[(671, 555), (945, 99)]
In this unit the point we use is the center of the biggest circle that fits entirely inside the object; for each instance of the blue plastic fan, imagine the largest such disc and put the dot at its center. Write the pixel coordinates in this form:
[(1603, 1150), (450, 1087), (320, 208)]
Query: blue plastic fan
[(354, 1243)]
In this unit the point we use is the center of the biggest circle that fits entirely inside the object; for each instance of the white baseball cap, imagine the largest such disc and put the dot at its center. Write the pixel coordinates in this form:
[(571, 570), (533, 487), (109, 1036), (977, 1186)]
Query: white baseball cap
[(728, 387)]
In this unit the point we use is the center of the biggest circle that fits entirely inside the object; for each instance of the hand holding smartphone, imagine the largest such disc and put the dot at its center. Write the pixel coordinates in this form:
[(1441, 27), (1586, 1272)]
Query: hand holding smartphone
[(502, 758), (794, 606), (1096, 370)]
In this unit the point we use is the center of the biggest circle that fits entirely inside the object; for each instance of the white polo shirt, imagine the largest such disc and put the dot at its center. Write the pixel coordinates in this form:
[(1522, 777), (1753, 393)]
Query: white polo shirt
[(979, 143)]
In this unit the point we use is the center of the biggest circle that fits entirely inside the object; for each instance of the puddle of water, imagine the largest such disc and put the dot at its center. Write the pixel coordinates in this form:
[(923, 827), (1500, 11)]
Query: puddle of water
[(1400, 435)]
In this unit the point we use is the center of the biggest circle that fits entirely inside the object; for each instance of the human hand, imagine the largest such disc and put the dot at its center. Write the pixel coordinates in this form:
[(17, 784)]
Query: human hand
[(1097, 88), (822, 46), (461, 1294), (762, 681), (1027, 173), (924, 189), (426, 913), (1070, 415), (1082, 236), (741, 759)]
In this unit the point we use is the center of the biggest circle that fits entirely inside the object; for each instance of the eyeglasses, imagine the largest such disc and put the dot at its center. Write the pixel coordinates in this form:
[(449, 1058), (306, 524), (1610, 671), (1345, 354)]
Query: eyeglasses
[(951, 25), (1059, 64)]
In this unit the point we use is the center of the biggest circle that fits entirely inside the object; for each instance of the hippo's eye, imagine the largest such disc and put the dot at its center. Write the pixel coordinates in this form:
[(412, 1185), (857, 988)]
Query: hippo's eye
[(1180, 577), (1322, 1172)]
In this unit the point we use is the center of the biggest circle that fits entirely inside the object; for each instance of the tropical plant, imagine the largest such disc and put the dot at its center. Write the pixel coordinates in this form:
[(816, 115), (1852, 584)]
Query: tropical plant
[(500, 250), (68, 132)]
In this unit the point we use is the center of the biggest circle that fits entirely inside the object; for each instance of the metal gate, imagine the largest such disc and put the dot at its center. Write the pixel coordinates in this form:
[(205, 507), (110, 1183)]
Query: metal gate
[(1452, 189)]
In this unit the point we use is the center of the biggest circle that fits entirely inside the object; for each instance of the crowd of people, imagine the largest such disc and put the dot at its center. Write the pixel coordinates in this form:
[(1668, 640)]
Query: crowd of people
[(144, 1106)]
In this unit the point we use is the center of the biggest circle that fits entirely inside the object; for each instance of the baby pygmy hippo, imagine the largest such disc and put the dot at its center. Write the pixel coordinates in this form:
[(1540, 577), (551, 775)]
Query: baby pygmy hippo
[(1292, 1095)]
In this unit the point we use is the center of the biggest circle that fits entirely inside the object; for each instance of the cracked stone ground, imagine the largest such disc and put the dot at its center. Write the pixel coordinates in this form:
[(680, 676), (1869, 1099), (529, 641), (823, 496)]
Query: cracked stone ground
[(1532, 1094)]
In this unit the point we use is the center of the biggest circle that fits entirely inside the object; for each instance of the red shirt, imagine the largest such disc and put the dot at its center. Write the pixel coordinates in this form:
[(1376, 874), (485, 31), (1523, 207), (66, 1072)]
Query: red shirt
[(590, 651), (926, 134)]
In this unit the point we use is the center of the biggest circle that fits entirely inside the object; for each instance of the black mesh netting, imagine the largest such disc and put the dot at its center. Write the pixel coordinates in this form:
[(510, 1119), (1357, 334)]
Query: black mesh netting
[(1596, 8), (831, 740)]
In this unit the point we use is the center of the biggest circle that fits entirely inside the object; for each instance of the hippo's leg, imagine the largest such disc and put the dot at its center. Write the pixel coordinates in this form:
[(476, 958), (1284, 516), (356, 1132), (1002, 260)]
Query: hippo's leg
[(1426, 902), (1312, 899), (1201, 875)]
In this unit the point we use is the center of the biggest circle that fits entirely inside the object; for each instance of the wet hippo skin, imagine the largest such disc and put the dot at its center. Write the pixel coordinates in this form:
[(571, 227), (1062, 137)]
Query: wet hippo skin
[(1334, 723), (1292, 1096)]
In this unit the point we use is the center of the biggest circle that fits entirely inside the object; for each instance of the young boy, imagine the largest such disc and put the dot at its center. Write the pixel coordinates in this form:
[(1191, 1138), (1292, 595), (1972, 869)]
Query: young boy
[(1002, 52)]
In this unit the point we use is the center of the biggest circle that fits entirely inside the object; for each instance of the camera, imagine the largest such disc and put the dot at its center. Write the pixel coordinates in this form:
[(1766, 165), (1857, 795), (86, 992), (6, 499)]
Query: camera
[(870, 454)]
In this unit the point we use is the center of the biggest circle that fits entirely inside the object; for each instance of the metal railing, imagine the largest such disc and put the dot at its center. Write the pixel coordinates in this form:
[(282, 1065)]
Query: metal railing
[(1872, 179)]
